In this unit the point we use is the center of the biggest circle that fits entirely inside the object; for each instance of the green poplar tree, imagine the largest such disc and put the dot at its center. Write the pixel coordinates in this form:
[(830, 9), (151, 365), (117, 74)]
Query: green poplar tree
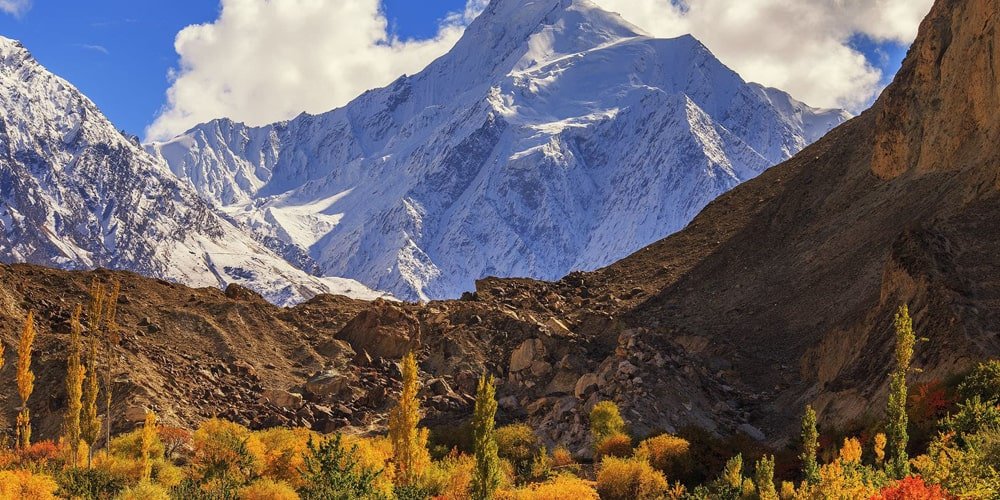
[(486, 477), (898, 464)]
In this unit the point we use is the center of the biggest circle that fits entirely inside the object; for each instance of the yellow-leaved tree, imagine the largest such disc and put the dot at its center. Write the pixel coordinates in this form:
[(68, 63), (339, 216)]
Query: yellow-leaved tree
[(74, 387), (409, 442), (90, 423), (148, 440), (25, 381)]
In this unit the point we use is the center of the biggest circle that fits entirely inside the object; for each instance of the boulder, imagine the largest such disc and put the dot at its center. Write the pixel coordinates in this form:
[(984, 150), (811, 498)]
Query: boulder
[(525, 354), (326, 383), (282, 398), (384, 330), (586, 385)]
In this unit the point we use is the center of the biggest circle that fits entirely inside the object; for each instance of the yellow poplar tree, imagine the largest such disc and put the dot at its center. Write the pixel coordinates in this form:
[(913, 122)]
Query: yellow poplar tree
[(110, 334), (90, 425), (148, 439), (25, 380), (74, 387), (409, 443)]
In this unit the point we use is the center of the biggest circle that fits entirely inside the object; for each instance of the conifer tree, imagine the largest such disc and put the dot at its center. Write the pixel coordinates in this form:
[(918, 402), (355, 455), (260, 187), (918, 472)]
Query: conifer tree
[(90, 425), (486, 476), (764, 478), (74, 387), (898, 462), (810, 446), (409, 443), (25, 381), (148, 438)]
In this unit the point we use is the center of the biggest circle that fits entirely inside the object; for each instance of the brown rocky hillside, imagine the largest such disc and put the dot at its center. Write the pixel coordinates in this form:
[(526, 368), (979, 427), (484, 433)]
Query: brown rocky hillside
[(779, 294)]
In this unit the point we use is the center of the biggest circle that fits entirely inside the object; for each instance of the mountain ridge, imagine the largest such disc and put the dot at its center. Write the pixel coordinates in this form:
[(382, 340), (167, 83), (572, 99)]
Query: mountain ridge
[(521, 152)]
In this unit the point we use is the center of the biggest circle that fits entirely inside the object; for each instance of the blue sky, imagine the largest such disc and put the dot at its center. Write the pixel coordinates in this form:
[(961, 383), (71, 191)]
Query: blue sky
[(119, 52)]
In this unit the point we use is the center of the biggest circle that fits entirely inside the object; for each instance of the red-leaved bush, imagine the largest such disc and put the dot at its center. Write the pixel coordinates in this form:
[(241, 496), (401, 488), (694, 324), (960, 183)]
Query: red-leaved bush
[(912, 488)]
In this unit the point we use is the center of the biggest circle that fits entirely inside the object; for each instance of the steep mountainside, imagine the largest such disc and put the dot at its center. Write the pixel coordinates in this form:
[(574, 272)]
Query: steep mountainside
[(779, 294), (76, 193), (554, 137)]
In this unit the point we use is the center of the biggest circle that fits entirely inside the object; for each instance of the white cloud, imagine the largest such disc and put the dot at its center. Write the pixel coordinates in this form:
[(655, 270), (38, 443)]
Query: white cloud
[(16, 8), (800, 46), (264, 60)]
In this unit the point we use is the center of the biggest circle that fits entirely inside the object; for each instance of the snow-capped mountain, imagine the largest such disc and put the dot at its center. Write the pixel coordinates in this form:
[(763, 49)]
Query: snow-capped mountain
[(77, 193), (554, 136)]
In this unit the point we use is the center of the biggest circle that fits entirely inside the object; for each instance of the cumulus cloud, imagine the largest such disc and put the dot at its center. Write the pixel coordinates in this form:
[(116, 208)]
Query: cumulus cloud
[(800, 46), (262, 60), (16, 8)]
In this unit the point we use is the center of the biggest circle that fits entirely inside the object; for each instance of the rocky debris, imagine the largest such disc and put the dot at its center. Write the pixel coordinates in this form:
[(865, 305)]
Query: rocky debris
[(327, 384), (282, 398)]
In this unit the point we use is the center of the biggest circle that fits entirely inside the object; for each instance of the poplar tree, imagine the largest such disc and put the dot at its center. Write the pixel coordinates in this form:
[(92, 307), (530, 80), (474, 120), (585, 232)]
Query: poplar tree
[(90, 425), (148, 439), (810, 446), (25, 381), (898, 463), (409, 443), (764, 478), (486, 476), (74, 387), (110, 334)]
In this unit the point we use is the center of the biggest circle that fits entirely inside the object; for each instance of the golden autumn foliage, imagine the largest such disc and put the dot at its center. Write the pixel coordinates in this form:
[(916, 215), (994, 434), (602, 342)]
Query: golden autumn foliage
[(284, 450), (666, 453), (409, 442), (74, 386), (616, 445), (25, 380), (630, 479), (561, 487), (267, 489), (226, 451), (25, 485)]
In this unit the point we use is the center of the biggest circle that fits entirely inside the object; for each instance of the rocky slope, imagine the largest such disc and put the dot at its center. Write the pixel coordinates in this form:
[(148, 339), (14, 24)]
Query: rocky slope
[(554, 137), (76, 193), (779, 294)]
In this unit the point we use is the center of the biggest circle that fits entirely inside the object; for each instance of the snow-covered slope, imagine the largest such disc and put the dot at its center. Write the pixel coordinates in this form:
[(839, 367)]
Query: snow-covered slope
[(555, 136), (76, 193)]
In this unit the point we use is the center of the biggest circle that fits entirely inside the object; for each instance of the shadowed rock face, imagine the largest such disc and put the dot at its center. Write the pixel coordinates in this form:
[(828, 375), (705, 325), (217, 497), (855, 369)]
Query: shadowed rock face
[(781, 293)]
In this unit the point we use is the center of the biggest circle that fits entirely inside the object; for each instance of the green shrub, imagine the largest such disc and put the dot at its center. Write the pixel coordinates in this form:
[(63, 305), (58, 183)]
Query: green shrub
[(984, 382), (331, 472), (605, 421), (89, 484), (518, 444)]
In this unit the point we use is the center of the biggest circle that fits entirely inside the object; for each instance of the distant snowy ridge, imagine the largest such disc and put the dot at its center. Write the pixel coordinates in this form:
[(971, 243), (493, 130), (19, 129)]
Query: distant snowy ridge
[(555, 136), (76, 193)]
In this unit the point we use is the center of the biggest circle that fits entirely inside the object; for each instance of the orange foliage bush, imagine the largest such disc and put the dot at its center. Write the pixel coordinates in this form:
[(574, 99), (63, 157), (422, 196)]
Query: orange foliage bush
[(226, 450), (616, 445), (912, 488), (630, 479)]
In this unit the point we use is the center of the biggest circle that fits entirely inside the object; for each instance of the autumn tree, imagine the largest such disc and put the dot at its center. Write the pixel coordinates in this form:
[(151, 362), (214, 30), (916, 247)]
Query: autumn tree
[(606, 421), (898, 463), (764, 476), (74, 387), (486, 476), (110, 336), (25, 381), (409, 443), (148, 440), (810, 446), (90, 424)]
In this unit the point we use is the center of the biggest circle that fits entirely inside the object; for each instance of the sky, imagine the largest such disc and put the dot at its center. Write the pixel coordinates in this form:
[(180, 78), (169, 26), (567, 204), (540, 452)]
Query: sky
[(158, 67)]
